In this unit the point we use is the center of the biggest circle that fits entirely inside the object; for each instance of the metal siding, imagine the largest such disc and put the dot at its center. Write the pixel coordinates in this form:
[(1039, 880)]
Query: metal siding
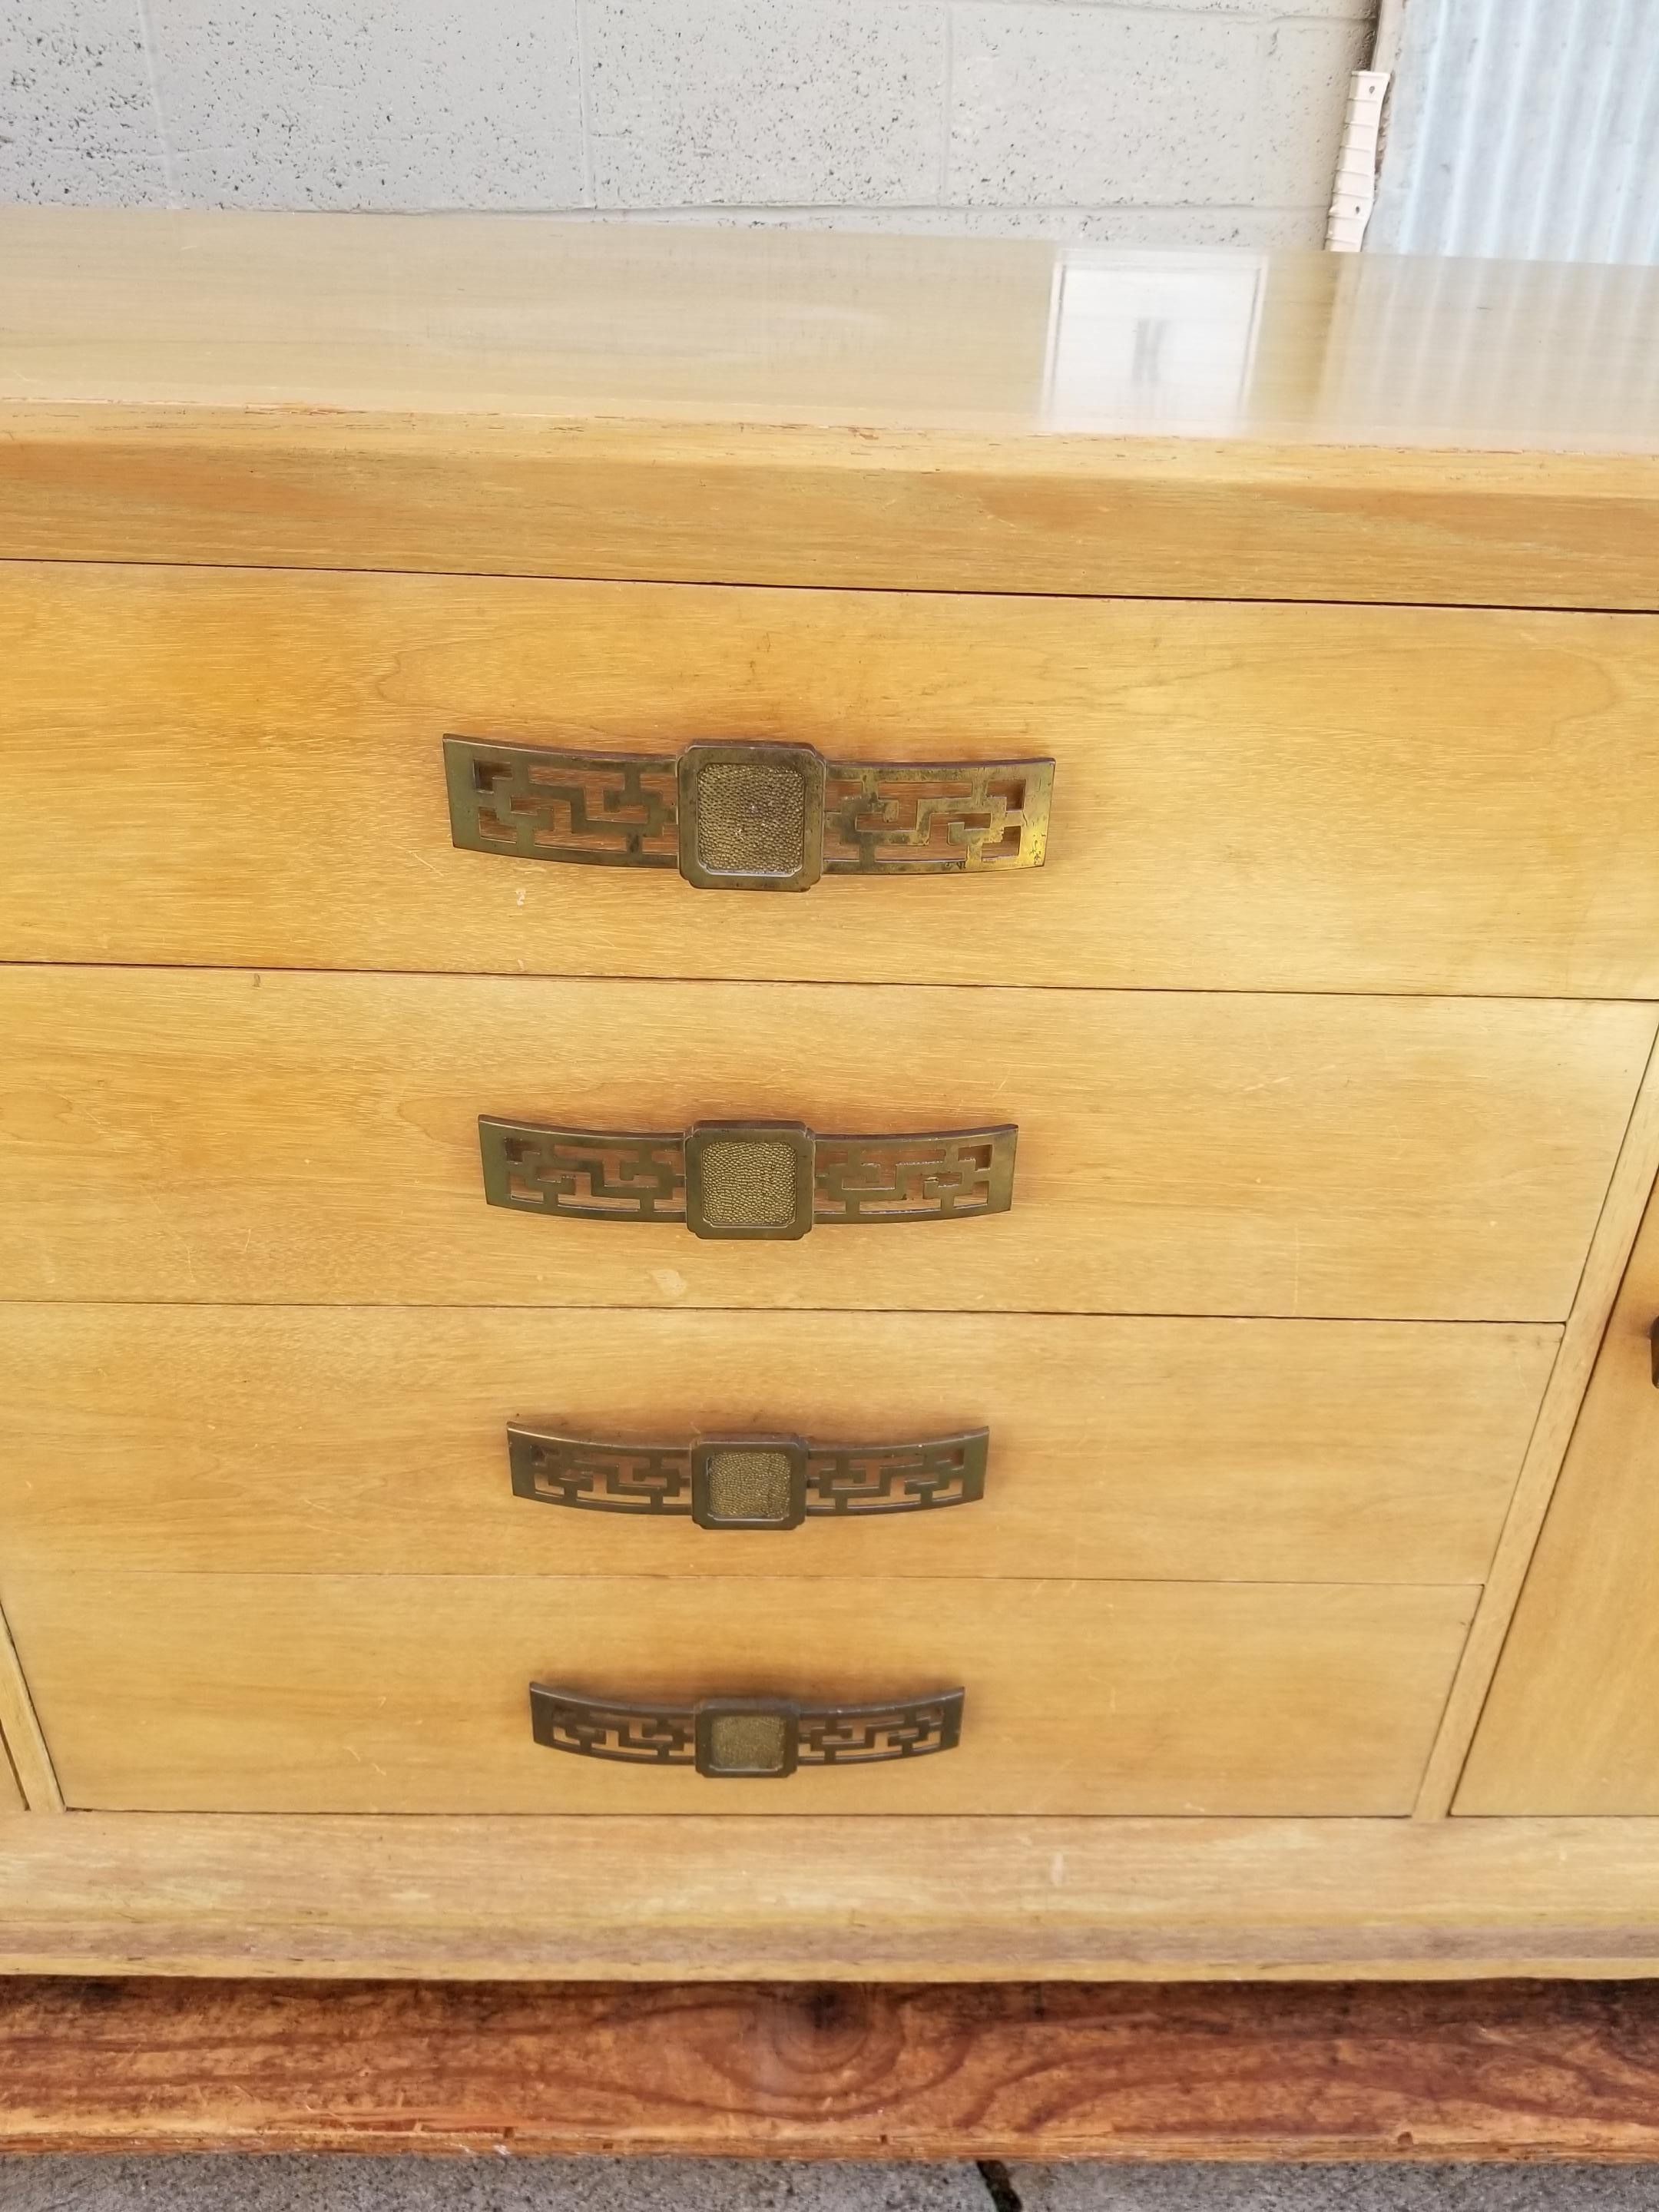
[(1525, 130)]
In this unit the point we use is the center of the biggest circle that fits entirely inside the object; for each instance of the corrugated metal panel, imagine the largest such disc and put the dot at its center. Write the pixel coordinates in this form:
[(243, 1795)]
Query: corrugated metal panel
[(1524, 129)]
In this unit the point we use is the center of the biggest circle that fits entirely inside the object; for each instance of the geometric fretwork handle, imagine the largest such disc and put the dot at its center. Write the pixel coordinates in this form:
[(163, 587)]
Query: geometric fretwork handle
[(747, 1179), (748, 816), (748, 1739), (747, 1481)]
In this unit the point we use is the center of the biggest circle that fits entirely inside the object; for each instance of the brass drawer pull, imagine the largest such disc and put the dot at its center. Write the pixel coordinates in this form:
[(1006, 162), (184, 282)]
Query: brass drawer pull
[(746, 1739), (748, 816), (747, 1179), (747, 1482)]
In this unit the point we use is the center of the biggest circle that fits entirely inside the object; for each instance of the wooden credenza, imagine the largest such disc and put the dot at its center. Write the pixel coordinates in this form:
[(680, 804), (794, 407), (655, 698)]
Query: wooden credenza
[(552, 773)]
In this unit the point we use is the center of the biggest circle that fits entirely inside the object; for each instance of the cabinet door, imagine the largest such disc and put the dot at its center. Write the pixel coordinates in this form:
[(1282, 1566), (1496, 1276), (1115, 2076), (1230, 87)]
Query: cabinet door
[(1572, 1724)]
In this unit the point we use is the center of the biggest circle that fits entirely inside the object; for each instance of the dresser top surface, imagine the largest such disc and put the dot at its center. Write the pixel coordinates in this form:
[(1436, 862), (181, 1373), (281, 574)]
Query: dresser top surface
[(531, 317)]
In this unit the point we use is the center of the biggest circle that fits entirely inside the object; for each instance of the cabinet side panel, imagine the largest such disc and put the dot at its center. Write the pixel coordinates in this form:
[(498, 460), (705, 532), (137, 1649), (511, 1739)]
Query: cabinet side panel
[(1587, 1326), (1572, 1724), (25, 1763)]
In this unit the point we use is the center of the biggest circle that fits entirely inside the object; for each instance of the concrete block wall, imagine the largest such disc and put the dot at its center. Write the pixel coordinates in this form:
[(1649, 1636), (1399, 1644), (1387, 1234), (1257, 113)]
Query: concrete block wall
[(1203, 123)]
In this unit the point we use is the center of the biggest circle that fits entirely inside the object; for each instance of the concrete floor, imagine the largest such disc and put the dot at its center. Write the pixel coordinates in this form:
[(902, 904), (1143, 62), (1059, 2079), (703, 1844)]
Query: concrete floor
[(413, 2185)]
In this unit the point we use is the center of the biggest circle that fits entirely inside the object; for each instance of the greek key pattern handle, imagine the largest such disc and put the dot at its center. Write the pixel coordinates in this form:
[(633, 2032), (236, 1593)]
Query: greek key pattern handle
[(747, 815), (747, 1179), (747, 1481), (744, 1739)]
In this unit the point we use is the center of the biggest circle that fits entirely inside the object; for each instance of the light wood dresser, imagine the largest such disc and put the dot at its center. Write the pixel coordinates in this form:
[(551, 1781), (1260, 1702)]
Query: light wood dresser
[(826, 1076)]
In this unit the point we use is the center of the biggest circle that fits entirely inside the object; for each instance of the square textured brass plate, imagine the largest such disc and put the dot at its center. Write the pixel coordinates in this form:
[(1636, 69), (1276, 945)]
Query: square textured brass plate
[(749, 1179), (749, 1482), (747, 1738), (751, 816)]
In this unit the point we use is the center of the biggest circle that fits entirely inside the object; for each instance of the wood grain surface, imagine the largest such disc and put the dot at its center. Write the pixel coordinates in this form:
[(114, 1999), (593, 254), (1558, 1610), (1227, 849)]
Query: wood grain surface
[(1584, 1341), (385, 1694), (1272, 798), (313, 1139), (26, 1766), (1573, 1722), (737, 1897), (1146, 517), (513, 394), (452, 315), (309, 1439), (1508, 2070)]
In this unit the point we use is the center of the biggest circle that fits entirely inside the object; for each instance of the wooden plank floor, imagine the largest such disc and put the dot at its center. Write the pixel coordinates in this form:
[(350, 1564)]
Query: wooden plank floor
[(1528, 2071)]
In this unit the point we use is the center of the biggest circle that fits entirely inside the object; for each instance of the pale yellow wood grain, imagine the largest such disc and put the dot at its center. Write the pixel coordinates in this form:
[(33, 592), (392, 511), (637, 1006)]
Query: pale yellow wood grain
[(1610, 1249), (522, 396), (302, 1439), (240, 1692), (893, 510), (312, 1139), (26, 1765), (1263, 797), (1572, 1723), (827, 1898), (11, 1794), (455, 315)]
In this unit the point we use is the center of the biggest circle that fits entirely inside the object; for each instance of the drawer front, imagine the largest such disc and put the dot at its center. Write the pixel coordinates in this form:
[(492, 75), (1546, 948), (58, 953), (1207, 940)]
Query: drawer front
[(212, 767), (381, 1693), (309, 1440), (313, 1139)]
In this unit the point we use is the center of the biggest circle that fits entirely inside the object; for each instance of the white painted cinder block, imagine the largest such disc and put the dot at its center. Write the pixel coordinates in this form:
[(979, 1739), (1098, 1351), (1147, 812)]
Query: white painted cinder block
[(1263, 229), (1091, 104), (1351, 11), (799, 101), (77, 124), (1304, 96), (1094, 103), (1198, 122), (370, 103)]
